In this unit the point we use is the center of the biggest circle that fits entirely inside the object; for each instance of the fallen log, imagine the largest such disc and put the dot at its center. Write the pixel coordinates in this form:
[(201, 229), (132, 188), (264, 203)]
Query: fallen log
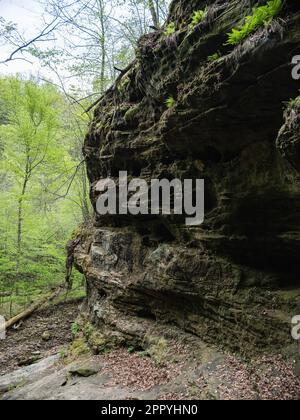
[(28, 312)]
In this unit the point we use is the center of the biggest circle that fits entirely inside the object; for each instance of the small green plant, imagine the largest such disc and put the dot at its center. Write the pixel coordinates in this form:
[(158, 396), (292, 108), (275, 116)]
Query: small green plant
[(170, 29), (63, 353), (170, 102), (294, 102), (198, 16), (77, 349), (213, 57), (260, 16), (159, 352), (131, 350), (143, 354), (75, 329)]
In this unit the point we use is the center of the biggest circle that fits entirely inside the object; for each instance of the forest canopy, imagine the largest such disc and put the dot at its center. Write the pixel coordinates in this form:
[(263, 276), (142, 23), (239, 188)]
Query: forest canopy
[(41, 184)]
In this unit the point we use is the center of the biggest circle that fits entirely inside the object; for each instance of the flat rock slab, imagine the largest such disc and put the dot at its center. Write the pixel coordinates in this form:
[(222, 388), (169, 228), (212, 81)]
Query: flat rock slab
[(28, 374), (89, 379)]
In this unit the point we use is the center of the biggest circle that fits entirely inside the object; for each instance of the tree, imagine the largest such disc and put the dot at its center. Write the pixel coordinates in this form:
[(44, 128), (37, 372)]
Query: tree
[(32, 127), (99, 36), (85, 41), (40, 176), (154, 13)]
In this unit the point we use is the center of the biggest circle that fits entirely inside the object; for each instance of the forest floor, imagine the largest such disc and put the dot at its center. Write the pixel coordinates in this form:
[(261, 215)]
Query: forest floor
[(193, 370), (38, 337)]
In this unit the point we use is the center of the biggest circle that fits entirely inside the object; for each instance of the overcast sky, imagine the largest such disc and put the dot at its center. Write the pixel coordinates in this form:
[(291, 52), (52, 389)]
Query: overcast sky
[(28, 15), (18, 9)]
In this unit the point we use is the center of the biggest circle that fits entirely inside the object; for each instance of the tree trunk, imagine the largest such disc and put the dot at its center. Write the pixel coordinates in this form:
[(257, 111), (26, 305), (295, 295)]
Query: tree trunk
[(102, 44), (154, 14), (20, 219)]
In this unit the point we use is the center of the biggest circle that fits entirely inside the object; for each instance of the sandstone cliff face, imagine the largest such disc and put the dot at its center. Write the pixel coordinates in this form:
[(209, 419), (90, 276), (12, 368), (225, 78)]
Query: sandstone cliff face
[(235, 279)]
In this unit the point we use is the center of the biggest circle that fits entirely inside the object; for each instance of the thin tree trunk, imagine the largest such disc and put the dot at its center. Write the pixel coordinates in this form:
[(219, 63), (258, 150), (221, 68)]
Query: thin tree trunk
[(20, 211), (103, 64), (20, 221), (102, 44), (154, 14)]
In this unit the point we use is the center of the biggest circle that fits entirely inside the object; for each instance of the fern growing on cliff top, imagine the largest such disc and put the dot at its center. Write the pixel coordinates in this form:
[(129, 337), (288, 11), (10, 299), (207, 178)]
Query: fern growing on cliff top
[(170, 102), (198, 16), (170, 29), (260, 16)]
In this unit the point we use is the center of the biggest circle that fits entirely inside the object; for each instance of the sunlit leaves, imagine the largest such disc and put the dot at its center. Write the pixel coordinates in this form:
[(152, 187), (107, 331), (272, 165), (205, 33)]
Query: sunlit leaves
[(37, 130)]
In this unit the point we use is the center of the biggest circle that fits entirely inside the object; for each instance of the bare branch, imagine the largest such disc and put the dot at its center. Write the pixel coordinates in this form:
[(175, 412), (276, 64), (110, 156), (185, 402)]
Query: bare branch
[(41, 37)]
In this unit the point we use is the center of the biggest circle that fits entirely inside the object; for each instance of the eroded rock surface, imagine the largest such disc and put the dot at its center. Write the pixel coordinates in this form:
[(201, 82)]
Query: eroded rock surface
[(235, 279)]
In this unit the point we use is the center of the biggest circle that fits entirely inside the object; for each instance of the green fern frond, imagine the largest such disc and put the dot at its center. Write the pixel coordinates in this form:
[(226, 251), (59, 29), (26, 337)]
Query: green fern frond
[(261, 16)]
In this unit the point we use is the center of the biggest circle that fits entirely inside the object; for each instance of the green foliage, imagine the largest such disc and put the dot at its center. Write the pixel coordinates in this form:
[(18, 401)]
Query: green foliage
[(198, 17), (75, 328), (170, 102), (7, 28), (170, 29), (213, 57), (159, 352), (77, 349), (260, 16), (37, 145), (294, 103), (48, 56)]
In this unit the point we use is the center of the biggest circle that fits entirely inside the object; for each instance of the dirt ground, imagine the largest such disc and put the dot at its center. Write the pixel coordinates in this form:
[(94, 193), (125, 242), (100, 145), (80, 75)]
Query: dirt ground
[(40, 336)]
